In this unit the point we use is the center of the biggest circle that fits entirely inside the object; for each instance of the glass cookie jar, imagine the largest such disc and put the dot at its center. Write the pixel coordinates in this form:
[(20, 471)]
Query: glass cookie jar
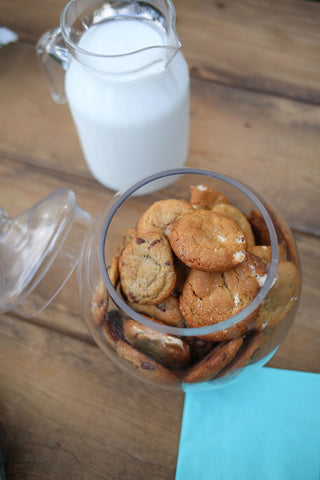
[(164, 296)]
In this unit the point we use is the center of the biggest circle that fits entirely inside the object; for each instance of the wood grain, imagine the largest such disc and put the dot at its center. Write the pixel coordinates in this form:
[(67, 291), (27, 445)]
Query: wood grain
[(66, 411), (269, 47), (265, 141), (32, 125)]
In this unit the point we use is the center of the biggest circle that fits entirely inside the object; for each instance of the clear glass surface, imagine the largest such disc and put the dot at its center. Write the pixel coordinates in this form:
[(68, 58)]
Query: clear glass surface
[(39, 249), (177, 354)]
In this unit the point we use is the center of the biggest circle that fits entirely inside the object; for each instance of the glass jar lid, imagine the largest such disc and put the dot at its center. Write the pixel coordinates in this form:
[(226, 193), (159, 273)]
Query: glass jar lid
[(39, 250)]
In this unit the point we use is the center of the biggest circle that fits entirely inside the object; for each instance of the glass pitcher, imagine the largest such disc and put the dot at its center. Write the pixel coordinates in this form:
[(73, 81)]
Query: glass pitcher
[(120, 67)]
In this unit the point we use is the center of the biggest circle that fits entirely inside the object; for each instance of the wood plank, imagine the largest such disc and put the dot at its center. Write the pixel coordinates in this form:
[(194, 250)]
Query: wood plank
[(22, 184), (32, 125), (272, 47), (267, 142), (269, 47), (31, 18), (65, 407)]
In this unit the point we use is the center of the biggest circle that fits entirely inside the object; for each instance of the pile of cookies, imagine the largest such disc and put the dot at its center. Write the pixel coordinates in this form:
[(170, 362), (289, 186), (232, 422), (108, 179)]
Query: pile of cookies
[(194, 263)]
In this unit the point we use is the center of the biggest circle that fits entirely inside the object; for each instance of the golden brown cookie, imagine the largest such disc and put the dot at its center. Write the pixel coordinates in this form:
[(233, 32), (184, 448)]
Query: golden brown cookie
[(209, 298), (113, 328), (199, 348), (120, 292), (207, 240), (283, 252), (250, 347), (209, 367), (264, 252), (100, 298), (99, 304), (259, 227), (157, 217), (145, 365), (167, 311), (182, 272), (113, 270), (126, 237), (170, 351), (289, 244), (233, 212), (146, 269), (282, 297), (205, 197)]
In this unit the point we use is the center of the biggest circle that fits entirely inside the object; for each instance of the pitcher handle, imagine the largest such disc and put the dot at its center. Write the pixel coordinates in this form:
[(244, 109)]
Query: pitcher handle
[(54, 57)]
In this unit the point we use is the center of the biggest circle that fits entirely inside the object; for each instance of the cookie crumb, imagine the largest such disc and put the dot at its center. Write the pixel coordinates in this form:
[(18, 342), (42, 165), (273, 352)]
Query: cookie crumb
[(239, 256)]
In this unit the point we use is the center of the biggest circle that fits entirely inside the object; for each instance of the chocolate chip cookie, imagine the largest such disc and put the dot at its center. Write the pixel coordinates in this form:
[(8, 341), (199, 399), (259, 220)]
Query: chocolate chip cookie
[(99, 302), (207, 241), (209, 298), (282, 297), (259, 228), (233, 212), (145, 365), (166, 349), (205, 197), (246, 354), (113, 329), (264, 252), (167, 311), (146, 269), (157, 217), (209, 367)]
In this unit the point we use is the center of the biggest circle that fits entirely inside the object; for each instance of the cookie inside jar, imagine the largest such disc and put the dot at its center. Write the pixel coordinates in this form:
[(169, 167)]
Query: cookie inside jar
[(187, 264)]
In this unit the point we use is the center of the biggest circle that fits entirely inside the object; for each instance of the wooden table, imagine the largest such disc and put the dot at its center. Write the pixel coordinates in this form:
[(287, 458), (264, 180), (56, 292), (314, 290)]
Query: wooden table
[(66, 411)]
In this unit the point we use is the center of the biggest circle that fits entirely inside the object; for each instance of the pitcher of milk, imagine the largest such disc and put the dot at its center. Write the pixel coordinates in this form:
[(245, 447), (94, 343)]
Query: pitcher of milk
[(120, 67)]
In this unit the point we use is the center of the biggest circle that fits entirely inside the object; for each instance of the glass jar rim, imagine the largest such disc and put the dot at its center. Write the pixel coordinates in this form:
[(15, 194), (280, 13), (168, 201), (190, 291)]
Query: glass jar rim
[(189, 331)]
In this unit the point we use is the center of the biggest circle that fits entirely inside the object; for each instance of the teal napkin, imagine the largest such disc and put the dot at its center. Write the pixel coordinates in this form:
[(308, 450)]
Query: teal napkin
[(265, 427)]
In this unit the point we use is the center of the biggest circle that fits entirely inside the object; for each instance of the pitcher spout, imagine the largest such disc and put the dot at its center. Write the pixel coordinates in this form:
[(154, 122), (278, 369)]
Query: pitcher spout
[(172, 49)]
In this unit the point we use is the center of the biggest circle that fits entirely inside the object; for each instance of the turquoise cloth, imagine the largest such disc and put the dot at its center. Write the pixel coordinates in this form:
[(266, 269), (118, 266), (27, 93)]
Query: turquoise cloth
[(265, 427)]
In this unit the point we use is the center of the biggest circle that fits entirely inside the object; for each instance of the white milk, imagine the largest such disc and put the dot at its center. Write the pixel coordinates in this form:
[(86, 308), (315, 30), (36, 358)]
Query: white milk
[(134, 124)]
